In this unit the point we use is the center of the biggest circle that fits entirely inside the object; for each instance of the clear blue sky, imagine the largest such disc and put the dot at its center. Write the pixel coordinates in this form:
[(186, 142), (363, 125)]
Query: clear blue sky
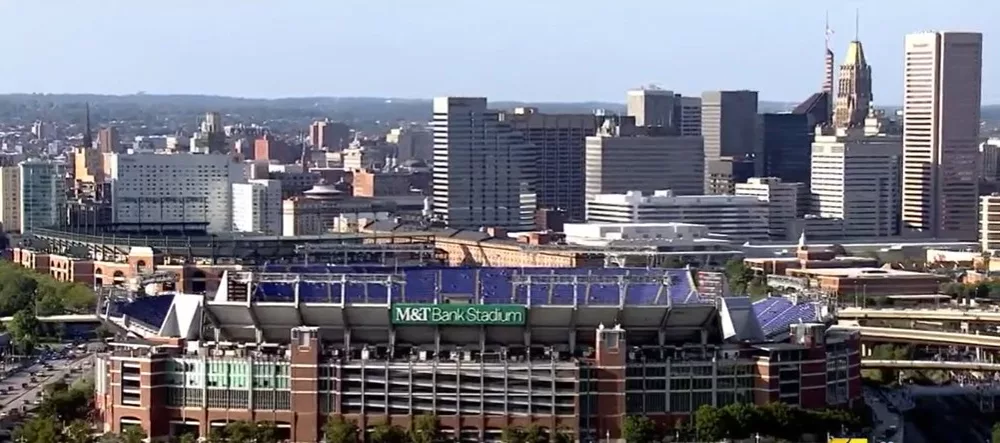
[(538, 50)]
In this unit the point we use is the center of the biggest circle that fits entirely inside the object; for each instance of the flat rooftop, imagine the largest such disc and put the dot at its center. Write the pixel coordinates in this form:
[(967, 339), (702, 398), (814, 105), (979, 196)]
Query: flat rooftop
[(867, 272)]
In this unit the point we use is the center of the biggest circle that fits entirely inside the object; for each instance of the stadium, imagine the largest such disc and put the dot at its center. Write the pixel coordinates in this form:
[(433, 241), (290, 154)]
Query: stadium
[(483, 349)]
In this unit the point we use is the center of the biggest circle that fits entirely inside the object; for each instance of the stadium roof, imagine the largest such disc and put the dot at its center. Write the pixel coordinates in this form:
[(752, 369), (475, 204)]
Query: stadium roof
[(264, 307)]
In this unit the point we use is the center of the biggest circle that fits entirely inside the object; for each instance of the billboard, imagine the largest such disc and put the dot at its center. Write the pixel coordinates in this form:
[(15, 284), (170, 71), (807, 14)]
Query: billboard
[(422, 314)]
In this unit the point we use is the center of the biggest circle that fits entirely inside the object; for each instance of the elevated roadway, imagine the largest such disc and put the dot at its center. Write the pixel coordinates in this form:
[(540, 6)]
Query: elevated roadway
[(68, 318), (928, 364), (948, 314), (899, 335)]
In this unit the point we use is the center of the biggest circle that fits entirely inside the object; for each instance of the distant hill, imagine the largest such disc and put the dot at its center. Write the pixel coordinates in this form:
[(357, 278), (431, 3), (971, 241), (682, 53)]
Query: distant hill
[(30, 106)]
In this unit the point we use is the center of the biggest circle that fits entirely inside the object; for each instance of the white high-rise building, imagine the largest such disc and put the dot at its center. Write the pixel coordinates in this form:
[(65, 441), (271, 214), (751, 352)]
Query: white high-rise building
[(182, 188), (855, 178), (483, 170), (257, 207), (942, 93), (782, 201), (42, 194), (741, 217)]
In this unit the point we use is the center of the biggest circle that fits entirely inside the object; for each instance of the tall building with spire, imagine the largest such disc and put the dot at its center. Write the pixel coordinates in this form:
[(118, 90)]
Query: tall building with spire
[(88, 141), (828, 61), (854, 94), (828, 78)]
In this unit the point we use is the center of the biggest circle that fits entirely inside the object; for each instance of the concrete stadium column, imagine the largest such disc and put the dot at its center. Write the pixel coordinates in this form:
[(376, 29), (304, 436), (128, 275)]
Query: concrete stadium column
[(611, 359), (304, 373)]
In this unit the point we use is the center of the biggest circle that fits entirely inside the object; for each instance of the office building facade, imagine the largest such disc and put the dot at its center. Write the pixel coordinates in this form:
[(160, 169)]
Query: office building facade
[(622, 158), (729, 128), (856, 179), (180, 189), (941, 118), (786, 147), (741, 217), (558, 147), (42, 194), (257, 207), (483, 171), (784, 202), (10, 198)]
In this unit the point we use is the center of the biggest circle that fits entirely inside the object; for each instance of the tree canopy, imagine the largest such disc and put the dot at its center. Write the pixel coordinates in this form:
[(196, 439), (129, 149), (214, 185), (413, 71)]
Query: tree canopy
[(25, 294), (743, 281), (742, 421)]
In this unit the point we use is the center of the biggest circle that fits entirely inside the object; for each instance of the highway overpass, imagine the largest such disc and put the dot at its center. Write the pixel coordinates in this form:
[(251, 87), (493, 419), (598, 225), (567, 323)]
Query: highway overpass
[(900, 335), (927, 364), (70, 318), (956, 315)]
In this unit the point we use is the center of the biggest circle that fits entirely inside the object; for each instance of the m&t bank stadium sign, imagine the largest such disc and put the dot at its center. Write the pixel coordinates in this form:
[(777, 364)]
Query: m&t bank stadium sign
[(457, 314)]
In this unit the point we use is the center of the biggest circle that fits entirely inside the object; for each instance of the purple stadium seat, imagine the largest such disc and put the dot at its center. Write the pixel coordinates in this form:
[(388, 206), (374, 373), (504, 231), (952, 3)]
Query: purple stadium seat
[(150, 310)]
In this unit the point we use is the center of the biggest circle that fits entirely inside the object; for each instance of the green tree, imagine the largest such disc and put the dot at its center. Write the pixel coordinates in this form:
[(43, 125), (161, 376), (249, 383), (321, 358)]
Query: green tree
[(40, 429), (738, 275), (133, 434), (513, 435), (536, 434), (338, 430), (24, 329), (562, 436), (426, 429), (639, 429), (79, 431), (996, 432), (187, 437), (386, 433), (710, 423), (741, 420)]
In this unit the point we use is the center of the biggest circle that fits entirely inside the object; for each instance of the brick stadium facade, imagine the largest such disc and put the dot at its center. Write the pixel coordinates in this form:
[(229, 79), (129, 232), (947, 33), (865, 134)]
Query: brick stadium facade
[(554, 367)]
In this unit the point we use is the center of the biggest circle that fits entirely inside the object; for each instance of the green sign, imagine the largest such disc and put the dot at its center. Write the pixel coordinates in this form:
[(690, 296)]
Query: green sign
[(457, 314)]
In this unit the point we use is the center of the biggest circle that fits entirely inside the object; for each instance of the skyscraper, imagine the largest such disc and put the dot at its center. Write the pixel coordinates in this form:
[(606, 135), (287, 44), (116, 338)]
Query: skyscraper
[(785, 142), (941, 115), (483, 172), (828, 79), (854, 95), (558, 142), (729, 128)]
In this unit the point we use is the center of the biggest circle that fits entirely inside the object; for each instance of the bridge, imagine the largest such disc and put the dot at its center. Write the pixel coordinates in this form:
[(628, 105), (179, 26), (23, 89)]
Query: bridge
[(928, 364), (956, 315), (68, 318), (924, 337)]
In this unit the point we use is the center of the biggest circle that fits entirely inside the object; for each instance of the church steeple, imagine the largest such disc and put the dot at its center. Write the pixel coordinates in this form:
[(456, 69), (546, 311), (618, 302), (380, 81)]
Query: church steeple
[(88, 141)]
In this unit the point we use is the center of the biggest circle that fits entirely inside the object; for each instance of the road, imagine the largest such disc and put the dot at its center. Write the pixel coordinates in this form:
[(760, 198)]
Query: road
[(14, 396)]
